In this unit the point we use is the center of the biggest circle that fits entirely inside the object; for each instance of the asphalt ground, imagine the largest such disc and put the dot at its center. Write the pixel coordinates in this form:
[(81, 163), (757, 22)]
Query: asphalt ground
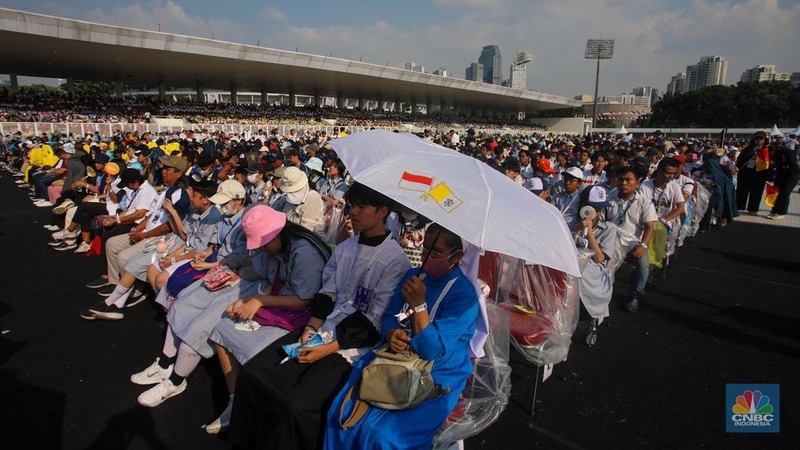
[(727, 312)]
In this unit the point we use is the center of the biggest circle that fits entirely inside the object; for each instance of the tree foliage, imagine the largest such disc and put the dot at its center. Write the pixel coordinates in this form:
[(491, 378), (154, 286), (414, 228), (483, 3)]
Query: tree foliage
[(745, 105)]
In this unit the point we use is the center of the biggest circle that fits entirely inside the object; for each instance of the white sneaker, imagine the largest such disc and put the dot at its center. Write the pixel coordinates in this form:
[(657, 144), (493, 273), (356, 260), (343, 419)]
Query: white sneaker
[(63, 207), (152, 375), (221, 423), (43, 204), (66, 234), (51, 227), (157, 394), (20, 181), (83, 248)]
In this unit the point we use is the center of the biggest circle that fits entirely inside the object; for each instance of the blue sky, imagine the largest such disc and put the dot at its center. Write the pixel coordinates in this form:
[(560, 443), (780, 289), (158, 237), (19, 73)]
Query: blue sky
[(655, 39)]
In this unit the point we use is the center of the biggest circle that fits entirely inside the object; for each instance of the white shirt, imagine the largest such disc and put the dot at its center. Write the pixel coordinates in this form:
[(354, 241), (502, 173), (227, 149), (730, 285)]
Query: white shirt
[(631, 216), (142, 198), (664, 199)]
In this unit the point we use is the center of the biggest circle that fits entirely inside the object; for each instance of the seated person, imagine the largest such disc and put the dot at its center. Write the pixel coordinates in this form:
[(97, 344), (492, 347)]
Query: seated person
[(281, 305), (284, 405), (597, 237), (445, 311)]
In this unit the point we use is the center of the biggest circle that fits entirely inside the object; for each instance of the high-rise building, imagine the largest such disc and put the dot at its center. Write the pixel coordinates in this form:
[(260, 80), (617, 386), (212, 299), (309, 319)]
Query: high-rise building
[(653, 97), (474, 72), (677, 85), (795, 79), (709, 71), (519, 75), (764, 72), (442, 72), (412, 66), (492, 64)]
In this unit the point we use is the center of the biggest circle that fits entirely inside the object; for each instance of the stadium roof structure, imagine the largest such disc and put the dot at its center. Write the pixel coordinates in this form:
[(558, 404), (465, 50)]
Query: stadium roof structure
[(47, 46)]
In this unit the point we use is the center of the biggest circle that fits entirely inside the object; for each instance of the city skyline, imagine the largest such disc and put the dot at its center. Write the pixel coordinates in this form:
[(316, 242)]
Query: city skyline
[(657, 40)]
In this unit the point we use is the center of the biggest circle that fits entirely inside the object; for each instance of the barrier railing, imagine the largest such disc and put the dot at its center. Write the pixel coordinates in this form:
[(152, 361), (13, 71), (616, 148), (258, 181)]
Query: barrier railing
[(247, 130)]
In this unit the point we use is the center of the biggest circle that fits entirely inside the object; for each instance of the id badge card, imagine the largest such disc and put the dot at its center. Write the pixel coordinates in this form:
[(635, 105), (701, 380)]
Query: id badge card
[(363, 299)]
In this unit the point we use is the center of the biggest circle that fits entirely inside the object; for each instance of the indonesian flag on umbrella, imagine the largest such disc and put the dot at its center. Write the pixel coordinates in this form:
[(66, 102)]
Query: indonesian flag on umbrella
[(415, 182)]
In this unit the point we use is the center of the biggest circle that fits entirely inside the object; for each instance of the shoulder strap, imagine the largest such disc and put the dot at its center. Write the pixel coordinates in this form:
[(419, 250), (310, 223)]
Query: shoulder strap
[(360, 408), (319, 245)]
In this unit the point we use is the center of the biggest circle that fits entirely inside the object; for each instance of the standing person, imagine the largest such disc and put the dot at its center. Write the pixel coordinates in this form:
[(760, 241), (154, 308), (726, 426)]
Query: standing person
[(635, 216), (752, 177), (788, 175)]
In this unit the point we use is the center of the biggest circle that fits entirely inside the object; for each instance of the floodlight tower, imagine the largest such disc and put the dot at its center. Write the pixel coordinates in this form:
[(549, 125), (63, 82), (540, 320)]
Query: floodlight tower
[(598, 49)]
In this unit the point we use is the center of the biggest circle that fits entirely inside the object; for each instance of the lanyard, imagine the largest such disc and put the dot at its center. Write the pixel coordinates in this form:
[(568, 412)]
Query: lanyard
[(406, 312), (367, 273), (567, 206), (224, 234), (657, 201), (624, 212)]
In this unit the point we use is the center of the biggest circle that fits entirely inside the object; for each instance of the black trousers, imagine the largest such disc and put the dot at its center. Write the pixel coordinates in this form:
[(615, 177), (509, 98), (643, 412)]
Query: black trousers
[(86, 211), (749, 189), (284, 406), (785, 184)]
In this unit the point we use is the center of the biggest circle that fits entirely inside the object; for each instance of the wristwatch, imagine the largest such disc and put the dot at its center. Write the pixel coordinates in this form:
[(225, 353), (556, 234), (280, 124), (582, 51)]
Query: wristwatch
[(643, 245)]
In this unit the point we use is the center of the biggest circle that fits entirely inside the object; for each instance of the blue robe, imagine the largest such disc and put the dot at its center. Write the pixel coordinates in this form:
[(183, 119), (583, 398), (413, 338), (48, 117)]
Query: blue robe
[(446, 341)]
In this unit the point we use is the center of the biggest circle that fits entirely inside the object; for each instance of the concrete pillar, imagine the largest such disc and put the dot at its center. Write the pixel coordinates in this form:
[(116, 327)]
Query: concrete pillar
[(199, 96), (162, 91), (264, 97), (428, 105), (341, 102), (70, 85), (14, 83), (234, 96), (292, 98), (361, 104), (118, 88), (398, 104), (380, 103)]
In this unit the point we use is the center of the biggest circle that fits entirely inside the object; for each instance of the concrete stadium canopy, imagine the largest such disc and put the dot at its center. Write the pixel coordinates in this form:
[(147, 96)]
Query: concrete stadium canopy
[(47, 46)]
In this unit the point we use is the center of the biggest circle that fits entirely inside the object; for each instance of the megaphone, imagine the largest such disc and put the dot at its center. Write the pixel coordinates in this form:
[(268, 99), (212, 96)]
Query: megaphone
[(587, 212)]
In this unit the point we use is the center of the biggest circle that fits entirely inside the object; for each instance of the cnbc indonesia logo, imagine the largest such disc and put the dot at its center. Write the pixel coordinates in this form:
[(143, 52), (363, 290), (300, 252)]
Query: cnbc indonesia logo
[(753, 411)]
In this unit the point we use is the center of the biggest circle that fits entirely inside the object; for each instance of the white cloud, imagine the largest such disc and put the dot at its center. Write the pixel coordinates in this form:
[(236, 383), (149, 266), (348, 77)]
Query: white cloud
[(654, 38), (170, 17), (276, 14)]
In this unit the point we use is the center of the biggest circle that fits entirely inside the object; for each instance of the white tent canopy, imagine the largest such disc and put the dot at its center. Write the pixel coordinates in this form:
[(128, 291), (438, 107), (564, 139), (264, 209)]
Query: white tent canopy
[(622, 131), (776, 131)]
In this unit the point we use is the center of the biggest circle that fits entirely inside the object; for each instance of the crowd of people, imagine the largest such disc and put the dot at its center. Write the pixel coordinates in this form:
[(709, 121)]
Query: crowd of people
[(48, 107), (232, 236)]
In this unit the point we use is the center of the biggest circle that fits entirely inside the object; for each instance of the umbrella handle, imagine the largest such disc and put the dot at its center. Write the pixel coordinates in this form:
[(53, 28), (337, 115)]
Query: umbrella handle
[(428, 255)]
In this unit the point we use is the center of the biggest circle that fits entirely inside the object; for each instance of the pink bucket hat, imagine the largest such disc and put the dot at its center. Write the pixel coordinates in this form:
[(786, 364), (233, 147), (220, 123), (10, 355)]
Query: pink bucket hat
[(261, 224)]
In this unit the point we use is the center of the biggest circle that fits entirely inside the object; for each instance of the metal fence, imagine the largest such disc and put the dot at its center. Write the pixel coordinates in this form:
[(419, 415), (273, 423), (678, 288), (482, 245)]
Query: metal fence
[(247, 130)]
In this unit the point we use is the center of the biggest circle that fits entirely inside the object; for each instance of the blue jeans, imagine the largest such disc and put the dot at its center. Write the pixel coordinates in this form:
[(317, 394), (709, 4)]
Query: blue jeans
[(641, 271), (42, 183)]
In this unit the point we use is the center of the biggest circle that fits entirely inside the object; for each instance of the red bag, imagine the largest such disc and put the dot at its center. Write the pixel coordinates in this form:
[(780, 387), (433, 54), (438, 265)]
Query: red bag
[(220, 277)]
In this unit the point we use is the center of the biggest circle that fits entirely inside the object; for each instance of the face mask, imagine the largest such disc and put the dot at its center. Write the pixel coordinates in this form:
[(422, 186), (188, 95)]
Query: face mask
[(252, 178), (205, 173), (437, 267), (225, 211)]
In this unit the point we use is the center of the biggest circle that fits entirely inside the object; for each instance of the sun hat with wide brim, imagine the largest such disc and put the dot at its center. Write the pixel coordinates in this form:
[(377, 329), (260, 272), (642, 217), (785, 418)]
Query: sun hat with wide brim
[(261, 224)]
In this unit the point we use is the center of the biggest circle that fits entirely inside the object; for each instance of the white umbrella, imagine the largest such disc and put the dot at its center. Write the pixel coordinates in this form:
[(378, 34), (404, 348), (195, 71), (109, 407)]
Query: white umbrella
[(622, 131), (776, 131), (462, 194)]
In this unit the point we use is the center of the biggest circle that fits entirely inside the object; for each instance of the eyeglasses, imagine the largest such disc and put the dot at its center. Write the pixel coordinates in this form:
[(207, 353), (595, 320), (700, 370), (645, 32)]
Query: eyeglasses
[(436, 253)]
